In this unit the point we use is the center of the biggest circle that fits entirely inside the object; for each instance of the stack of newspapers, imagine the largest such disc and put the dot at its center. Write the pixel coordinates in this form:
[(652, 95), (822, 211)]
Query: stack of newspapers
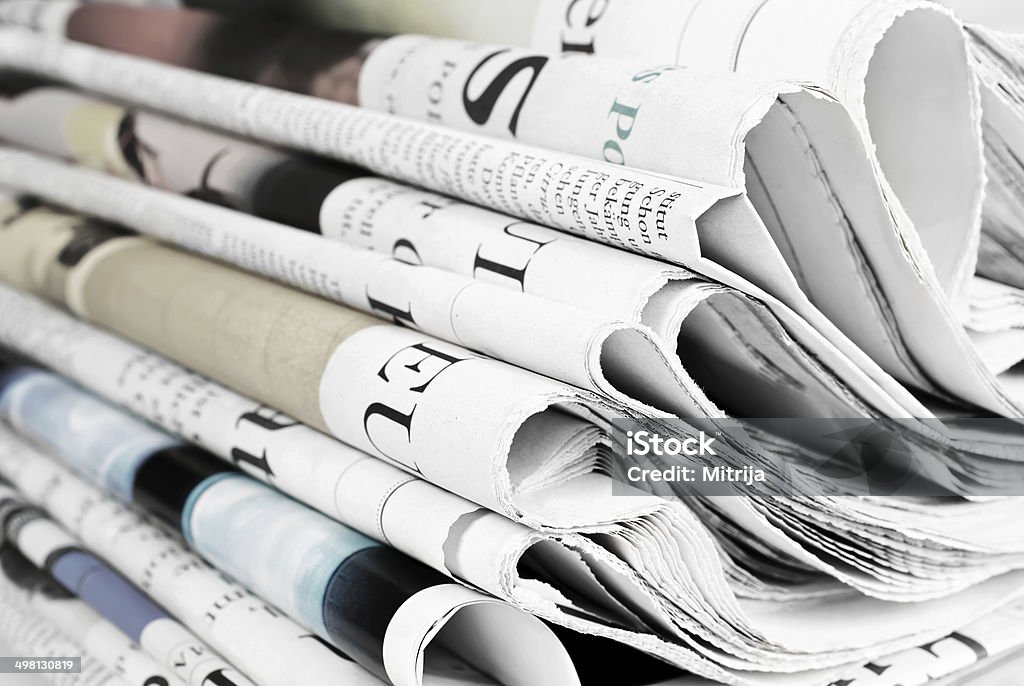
[(518, 342)]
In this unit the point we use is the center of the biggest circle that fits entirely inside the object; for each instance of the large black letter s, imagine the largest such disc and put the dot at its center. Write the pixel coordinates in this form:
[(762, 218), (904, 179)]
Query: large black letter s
[(480, 110)]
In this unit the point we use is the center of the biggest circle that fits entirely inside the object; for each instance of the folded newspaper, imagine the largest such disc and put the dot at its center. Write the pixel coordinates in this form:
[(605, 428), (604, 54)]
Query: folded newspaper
[(908, 327), (216, 608), (772, 137), (365, 339), (224, 514), (470, 241), (169, 645), (819, 603), (979, 382), (998, 57), (41, 620), (898, 65)]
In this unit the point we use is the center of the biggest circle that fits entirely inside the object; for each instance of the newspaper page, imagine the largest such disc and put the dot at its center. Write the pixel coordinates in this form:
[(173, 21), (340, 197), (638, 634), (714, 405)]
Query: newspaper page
[(889, 62), (422, 228), (523, 500), (956, 659), (48, 547), (462, 85), (995, 306), (643, 212), (678, 121), (860, 50), (249, 531), (953, 657), (100, 190), (1000, 257), (801, 517), (997, 51), (390, 391), (39, 472), (638, 367), (30, 471), (418, 71), (826, 609), (247, 631), (28, 629), (973, 382), (460, 538), (331, 67), (580, 347), (803, 306), (25, 588), (288, 452), (39, 248), (1004, 16), (16, 227)]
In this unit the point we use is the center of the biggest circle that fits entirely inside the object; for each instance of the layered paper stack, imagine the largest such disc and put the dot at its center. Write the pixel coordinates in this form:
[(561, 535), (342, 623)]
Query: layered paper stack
[(520, 343)]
